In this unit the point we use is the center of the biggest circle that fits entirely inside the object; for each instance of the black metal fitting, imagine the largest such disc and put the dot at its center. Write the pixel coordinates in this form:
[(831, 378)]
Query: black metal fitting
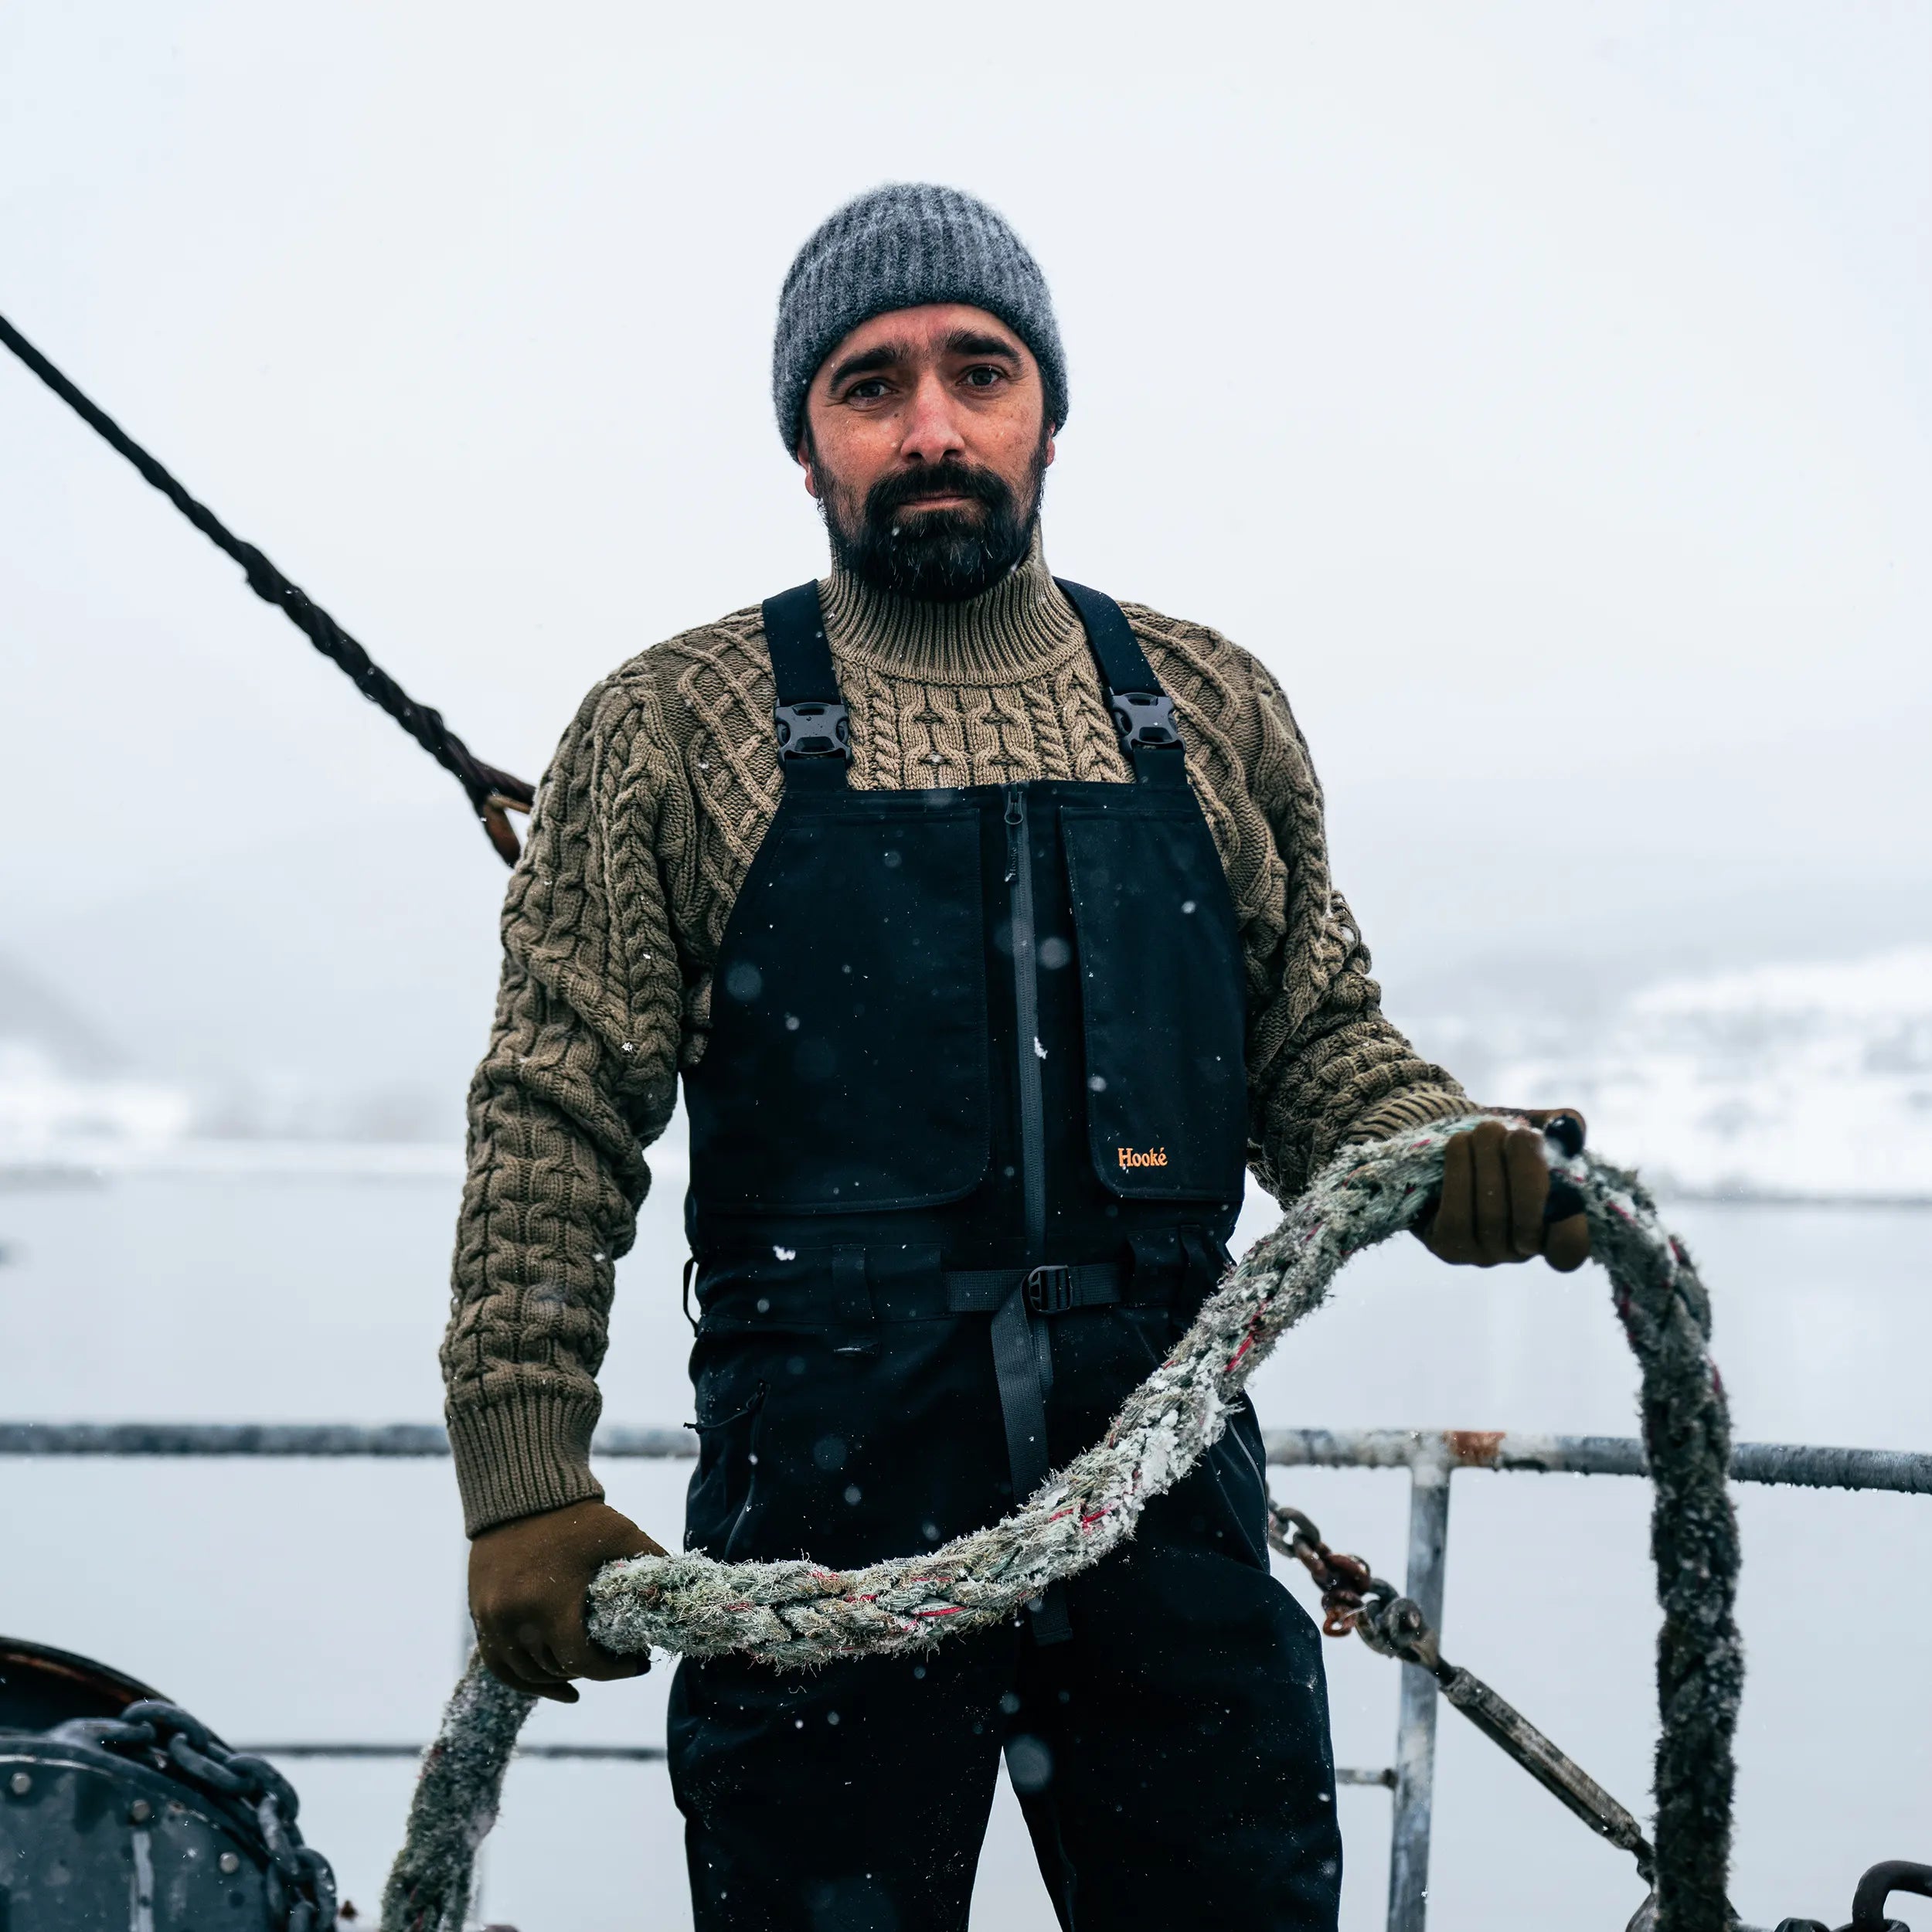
[(1145, 720), (814, 728), (1868, 1902), (1565, 1133), (1878, 1885)]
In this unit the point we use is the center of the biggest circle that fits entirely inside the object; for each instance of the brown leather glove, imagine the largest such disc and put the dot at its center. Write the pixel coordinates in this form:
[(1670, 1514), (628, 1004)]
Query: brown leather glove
[(527, 1583), (1495, 1179)]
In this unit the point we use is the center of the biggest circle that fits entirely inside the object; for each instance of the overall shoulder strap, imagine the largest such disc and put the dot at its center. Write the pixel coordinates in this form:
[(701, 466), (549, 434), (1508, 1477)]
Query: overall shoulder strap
[(1142, 713), (813, 725)]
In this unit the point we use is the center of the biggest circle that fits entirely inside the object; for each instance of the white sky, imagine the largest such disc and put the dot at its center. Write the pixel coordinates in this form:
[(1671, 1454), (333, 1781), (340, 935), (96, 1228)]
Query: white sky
[(1542, 391)]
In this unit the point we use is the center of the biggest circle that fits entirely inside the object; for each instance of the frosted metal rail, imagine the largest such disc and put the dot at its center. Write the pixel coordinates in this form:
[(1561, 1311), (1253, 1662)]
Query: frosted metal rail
[(1803, 1464), (1431, 1456)]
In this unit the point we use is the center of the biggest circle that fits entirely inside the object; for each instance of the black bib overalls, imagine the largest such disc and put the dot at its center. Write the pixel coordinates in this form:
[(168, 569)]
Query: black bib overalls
[(967, 1140)]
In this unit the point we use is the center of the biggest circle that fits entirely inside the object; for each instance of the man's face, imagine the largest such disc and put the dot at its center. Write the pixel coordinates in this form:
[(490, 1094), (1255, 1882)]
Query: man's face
[(926, 442)]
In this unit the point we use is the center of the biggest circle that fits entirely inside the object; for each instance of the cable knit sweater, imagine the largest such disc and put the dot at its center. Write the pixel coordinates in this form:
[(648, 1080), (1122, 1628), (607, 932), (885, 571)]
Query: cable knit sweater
[(646, 824)]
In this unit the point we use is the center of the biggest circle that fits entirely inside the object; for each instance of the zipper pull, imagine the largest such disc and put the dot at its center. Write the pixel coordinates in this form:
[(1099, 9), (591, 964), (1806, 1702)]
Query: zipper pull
[(1015, 820)]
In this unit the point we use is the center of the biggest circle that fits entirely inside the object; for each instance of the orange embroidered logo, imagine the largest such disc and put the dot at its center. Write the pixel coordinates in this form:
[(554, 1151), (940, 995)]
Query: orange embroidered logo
[(1131, 1157)]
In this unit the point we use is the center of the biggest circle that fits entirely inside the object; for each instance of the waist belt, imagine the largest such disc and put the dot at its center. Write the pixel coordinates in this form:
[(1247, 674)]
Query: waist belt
[(1051, 1290), (903, 1285), (856, 1285)]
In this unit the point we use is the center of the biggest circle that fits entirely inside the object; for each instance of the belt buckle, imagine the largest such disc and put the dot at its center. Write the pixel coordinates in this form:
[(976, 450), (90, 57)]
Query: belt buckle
[(1049, 1290)]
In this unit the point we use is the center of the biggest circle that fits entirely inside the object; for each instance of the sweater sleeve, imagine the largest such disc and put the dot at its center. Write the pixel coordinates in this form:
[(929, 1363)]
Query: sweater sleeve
[(1325, 1066), (579, 1075)]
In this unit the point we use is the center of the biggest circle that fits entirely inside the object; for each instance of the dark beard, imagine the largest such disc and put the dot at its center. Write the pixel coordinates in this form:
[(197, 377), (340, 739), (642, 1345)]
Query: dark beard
[(937, 557)]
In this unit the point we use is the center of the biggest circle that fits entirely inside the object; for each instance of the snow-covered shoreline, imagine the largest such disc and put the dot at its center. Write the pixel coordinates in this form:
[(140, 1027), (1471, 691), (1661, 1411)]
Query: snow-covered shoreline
[(1790, 1084), (1809, 1081)]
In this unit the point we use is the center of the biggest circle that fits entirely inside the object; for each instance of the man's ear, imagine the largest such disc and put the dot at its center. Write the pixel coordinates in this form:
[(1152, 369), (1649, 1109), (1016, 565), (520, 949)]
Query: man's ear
[(804, 463), (1046, 461)]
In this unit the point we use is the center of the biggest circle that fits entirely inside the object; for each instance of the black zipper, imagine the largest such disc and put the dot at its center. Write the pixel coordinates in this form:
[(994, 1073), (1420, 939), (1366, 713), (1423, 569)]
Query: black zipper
[(1032, 1099)]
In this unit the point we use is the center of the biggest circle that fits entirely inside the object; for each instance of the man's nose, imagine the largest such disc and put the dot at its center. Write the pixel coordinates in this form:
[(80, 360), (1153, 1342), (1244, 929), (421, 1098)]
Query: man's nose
[(933, 430)]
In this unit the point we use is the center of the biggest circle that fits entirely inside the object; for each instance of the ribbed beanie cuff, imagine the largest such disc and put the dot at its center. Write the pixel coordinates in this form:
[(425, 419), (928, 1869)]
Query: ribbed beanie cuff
[(898, 246)]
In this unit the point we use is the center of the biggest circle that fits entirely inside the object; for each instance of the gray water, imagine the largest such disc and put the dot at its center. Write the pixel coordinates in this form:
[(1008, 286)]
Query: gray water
[(324, 1601)]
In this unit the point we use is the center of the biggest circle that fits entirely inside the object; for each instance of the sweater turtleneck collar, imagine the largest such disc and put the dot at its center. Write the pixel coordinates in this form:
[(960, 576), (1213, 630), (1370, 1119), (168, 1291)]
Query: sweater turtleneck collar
[(1019, 626)]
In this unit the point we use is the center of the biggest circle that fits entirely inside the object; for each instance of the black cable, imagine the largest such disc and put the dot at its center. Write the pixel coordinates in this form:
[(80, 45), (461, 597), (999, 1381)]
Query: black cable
[(491, 791)]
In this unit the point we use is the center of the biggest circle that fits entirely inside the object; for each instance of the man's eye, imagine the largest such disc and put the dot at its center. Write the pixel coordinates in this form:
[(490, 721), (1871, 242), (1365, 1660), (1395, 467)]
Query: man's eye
[(868, 390), (985, 376)]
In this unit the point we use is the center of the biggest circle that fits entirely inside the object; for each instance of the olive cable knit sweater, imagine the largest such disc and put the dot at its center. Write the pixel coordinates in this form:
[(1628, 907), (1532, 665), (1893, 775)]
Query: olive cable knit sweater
[(646, 824)]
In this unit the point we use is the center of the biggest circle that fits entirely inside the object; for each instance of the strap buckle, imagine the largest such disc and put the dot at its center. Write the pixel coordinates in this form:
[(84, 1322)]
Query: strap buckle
[(1049, 1290), (1145, 720), (816, 728)]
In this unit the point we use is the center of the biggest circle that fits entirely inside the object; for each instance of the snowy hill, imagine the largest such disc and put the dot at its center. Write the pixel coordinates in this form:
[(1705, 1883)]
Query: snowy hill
[(1807, 1080), (1797, 1079)]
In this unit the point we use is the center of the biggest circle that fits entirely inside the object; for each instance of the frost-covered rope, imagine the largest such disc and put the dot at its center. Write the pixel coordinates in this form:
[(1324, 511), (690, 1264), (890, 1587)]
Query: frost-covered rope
[(798, 1614)]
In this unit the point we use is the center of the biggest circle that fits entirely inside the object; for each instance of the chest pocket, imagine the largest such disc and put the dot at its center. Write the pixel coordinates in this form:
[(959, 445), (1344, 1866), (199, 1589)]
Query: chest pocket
[(846, 1068), (1162, 1005)]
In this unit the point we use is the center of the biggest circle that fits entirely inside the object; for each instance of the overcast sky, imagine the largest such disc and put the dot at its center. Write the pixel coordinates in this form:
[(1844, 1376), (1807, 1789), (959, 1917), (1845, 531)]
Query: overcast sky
[(1542, 391)]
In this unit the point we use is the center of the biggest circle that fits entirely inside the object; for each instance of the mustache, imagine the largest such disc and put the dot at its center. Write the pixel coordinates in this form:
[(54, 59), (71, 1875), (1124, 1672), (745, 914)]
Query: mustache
[(905, 488)]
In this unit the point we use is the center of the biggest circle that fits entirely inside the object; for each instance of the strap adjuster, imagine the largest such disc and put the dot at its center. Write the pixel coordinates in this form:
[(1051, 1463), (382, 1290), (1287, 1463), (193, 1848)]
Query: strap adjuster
[(1145, 720), (1049, 1290), (814, 728)]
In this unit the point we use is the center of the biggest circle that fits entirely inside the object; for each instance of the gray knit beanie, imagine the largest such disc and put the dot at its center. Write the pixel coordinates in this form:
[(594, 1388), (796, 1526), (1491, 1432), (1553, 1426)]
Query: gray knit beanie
[(898, 247)]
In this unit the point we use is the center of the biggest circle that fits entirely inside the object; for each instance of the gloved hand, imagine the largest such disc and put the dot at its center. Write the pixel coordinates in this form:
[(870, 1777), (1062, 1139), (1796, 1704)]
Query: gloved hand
[(527, 1582), (1495, 1179)]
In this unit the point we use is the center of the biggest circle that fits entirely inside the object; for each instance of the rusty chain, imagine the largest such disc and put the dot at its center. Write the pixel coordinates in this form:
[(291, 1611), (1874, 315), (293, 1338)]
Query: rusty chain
[(1356, 1602), (1350, 1590)]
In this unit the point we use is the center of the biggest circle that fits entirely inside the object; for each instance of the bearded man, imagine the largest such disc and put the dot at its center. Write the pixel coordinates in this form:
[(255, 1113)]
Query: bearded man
[(988, 924)]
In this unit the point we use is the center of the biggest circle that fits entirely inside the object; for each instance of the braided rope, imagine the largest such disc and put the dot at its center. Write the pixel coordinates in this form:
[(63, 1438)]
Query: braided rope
[(797, 1613), (489, 790)]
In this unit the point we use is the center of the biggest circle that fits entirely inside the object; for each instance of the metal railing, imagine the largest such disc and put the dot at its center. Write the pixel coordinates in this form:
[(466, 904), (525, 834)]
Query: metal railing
[(1431, 1456)]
